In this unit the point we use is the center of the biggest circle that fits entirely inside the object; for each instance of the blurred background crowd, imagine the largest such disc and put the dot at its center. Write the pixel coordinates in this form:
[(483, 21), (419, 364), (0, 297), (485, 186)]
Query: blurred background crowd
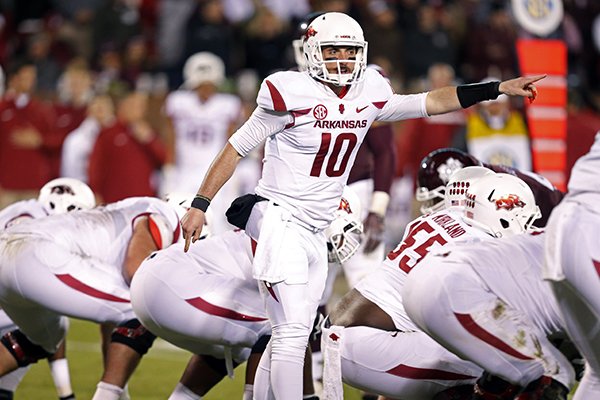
[(95, 75)]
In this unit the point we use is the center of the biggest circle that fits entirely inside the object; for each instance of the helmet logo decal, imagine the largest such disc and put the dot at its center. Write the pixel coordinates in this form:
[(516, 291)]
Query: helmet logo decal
[(509, 202), (446, 169), (62, 189), (320, 112), (345, 205), (309, 32)]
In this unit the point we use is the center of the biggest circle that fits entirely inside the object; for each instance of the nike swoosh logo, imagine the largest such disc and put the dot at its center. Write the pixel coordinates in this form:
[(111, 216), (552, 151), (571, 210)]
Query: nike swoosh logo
[(597, 266), (358, 110)]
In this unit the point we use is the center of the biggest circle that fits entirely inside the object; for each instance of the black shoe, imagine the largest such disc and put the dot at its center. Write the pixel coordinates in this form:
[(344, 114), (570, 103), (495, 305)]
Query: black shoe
[(69, 397)]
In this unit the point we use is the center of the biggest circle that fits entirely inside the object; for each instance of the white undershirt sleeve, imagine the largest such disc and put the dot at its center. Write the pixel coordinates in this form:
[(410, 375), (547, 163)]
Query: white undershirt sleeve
[(261, 124), (401, 107)]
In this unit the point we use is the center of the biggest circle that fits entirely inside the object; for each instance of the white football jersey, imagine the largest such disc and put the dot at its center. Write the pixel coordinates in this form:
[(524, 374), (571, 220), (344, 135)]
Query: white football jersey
[(584, 176), (307, 163), (201, 130), (511, 268), (102, 233), (425, 234), (21, 211)]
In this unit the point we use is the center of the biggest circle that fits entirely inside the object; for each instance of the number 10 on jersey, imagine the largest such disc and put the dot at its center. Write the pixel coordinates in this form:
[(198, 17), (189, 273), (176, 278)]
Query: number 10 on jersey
[(334, 166)]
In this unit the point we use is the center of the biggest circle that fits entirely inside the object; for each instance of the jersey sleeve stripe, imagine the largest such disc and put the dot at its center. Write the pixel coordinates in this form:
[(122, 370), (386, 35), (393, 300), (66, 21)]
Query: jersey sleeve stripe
[(379, 104), (278, 103)]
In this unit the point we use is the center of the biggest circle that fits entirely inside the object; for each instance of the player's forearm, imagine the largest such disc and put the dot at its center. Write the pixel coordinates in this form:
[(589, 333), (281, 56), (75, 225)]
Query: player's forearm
[(442, 100), (220, 171)]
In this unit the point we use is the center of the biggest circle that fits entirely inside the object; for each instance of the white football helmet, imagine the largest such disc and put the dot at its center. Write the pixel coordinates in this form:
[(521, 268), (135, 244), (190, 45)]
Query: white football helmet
[(203, 67), (181, 203), (62, 195), (345, 233), (334, 29), (501, 205), (460, 181)]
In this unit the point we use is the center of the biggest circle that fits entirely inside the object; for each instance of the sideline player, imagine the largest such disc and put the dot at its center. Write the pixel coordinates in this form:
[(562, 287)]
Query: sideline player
[(58, 196), (199, 120), (313, 122), (207, 302), (572, 265), (486, 302), (79, 265)]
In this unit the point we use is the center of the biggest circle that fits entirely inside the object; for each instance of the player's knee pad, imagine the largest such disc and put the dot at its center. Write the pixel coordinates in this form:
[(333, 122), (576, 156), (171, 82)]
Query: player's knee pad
[(289, 340), (22, 349), (261, 344), (491, 387), (133, 334)]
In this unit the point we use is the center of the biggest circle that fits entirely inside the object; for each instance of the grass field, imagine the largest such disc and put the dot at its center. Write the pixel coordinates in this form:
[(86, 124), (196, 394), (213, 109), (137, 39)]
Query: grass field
[(155, 378)]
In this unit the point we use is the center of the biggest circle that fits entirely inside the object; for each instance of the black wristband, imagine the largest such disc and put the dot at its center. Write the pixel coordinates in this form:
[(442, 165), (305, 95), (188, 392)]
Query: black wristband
[(201, 202), (476, 92)]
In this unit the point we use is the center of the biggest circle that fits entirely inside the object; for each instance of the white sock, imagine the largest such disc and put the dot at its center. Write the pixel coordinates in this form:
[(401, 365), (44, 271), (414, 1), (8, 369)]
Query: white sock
[(106, 391), (125, 394), (181, 392), (61, 377), (248, 392)]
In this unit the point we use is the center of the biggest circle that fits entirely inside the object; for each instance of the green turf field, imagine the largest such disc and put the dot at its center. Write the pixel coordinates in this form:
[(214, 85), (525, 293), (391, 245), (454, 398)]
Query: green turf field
[(156, 376)]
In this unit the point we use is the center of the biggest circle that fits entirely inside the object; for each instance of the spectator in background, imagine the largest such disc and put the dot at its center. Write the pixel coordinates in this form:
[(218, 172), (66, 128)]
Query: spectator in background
[(39, 48), (74, 91), (79, 143), (109, 69), (126, 154), (267, 37), (116, 23), (496, 134), (429, 43), (26, 136), (208, 30), (136, 61), (490, 45)]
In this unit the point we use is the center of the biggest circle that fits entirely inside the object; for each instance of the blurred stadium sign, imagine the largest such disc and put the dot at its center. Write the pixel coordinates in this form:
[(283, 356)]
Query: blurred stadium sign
[(540, 17)]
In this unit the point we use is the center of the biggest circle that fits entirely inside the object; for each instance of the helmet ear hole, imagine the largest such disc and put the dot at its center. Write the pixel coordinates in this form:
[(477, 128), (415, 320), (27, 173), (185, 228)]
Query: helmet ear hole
[(505, 224)]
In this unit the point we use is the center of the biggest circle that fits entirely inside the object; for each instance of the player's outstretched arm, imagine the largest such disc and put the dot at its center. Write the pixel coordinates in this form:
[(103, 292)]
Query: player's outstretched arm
[(450, 98), (220, 171)]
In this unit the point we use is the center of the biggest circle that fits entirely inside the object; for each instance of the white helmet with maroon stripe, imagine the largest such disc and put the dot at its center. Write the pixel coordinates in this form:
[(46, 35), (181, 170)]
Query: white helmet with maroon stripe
[(345, 233), (335, 29), (62, 195)]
